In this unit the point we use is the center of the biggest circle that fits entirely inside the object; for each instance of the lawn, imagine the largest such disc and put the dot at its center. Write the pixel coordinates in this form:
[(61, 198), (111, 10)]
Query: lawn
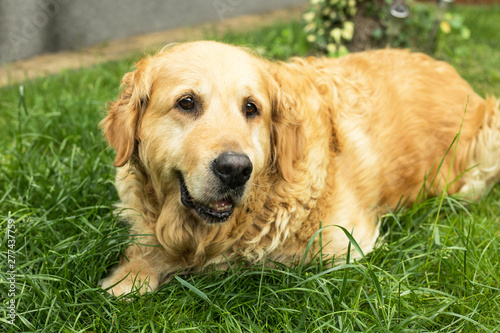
[(436, 269)]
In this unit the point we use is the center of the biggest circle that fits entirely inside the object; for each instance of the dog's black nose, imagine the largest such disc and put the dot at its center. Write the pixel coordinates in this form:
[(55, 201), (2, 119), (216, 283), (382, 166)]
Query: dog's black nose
[(233, 169)]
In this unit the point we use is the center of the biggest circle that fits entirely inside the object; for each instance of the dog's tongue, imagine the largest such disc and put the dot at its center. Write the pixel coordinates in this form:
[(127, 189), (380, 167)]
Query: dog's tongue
[(220, 206)]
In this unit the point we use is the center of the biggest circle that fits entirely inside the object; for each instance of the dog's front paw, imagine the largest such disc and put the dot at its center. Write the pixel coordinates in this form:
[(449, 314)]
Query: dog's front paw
[(125, 280)]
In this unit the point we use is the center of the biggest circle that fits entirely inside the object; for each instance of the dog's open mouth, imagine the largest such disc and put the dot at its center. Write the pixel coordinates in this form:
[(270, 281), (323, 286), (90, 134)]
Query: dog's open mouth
[(215, 212)]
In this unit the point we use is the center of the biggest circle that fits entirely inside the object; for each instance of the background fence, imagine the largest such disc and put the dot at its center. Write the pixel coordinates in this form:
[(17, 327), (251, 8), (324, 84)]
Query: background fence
[(32, 27)]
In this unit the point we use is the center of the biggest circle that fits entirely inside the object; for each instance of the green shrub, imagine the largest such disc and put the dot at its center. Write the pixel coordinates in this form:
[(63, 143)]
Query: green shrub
[(336, 27)]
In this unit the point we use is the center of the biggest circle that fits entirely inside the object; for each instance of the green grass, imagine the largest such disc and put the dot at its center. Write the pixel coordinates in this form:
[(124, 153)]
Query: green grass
[(435, 270), (478, 59)]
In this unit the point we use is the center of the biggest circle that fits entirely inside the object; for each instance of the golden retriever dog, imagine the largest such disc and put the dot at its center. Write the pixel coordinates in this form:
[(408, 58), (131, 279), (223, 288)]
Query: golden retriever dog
[(225, 156)]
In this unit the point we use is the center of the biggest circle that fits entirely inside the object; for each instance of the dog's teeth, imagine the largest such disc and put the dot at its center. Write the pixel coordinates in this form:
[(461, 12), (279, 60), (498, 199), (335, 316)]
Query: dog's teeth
[(220, 206)]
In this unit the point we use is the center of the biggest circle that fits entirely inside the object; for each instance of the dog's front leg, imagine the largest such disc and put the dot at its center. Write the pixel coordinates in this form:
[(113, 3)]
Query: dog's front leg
[(136, 271)]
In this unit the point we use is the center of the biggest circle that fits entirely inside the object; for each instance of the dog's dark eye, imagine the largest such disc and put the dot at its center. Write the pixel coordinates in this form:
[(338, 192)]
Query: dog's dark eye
[(251, 109), (186, 103)]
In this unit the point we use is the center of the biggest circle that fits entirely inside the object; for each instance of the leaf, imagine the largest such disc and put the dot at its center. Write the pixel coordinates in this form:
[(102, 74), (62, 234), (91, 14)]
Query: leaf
[(193, 289)]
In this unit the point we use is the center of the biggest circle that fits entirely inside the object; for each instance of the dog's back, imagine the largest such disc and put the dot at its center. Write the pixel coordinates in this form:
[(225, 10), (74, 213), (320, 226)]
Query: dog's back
[(408, 108)]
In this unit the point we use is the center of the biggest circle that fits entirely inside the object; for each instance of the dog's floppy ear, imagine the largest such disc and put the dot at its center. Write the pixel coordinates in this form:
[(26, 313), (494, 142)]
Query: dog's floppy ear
[(287, 137), (124, 114)]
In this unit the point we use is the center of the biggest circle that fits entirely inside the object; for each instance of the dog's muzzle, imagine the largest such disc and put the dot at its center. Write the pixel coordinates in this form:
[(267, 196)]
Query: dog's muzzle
[(232, 171)]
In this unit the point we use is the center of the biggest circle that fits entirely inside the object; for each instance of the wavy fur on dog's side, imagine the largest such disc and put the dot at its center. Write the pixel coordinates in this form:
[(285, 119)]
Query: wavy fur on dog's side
[(336, 142)]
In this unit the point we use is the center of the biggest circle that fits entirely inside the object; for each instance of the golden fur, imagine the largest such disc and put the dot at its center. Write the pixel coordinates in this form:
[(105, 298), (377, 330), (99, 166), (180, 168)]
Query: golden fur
[(335, 141)]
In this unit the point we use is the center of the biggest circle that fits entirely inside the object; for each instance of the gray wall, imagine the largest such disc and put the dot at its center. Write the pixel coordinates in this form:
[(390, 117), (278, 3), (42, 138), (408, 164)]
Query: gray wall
[(31, 27)]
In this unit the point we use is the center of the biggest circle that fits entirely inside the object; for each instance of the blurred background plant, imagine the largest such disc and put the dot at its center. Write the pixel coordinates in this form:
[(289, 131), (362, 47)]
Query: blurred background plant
[(329, 24), (336, 27)]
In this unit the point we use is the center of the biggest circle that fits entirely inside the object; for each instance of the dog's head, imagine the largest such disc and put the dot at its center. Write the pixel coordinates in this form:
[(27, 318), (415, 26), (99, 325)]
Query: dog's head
[(204, 119)]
